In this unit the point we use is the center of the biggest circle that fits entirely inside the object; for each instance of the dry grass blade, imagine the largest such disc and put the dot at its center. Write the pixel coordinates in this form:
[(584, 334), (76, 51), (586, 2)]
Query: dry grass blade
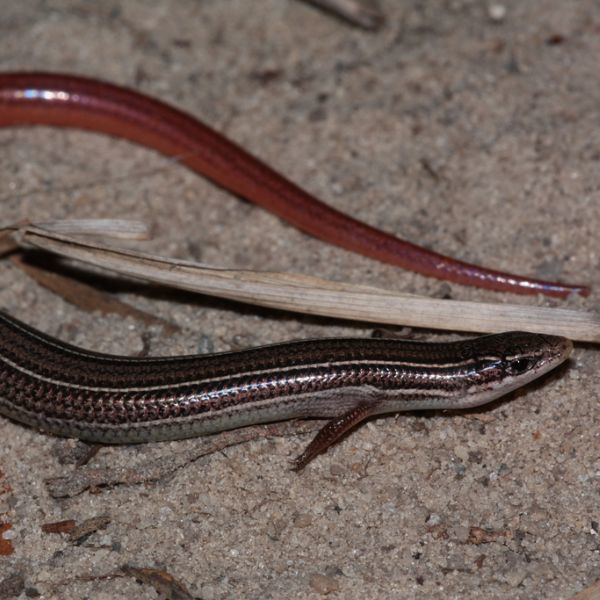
[(125, 229), (311, 295)]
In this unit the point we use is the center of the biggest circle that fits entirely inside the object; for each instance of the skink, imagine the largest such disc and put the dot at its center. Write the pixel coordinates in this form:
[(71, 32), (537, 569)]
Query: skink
[(68, 101), (69, 391)]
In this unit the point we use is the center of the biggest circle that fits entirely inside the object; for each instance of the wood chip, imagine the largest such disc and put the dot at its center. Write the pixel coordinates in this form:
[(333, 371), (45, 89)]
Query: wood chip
[(477, 535), (66, 526), (81, 532), (164, 583)]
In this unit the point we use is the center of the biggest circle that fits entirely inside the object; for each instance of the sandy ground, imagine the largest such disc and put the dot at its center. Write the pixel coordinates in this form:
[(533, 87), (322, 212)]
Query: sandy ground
[(476, 137)]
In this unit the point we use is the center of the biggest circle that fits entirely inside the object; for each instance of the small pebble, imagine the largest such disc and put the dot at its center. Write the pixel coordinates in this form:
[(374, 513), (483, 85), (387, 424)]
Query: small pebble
[(433, 519), (497, 12), (323, 584)]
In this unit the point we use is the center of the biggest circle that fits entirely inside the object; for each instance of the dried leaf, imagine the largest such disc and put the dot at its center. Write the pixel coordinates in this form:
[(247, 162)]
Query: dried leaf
[(124, 229), (66, 526)]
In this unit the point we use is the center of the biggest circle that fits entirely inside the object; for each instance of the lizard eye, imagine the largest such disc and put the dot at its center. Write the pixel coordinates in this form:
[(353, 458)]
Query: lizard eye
[(519, 366)]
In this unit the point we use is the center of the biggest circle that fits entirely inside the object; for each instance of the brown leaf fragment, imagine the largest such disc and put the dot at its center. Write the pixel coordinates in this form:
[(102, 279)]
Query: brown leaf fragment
[(87, 527), (480, 560), (87, 297), (477, 535), (66, 526), (163, 582), (6, 547)]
